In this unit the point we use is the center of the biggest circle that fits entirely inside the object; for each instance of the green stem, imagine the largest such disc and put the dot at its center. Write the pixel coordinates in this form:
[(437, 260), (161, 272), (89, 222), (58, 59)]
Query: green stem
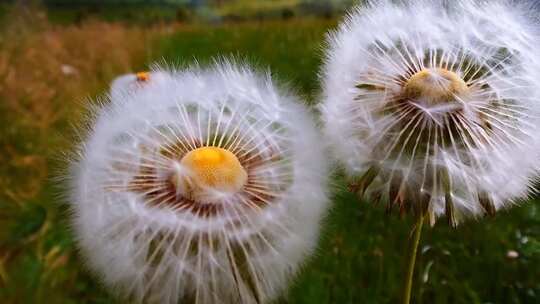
[(412, 259)]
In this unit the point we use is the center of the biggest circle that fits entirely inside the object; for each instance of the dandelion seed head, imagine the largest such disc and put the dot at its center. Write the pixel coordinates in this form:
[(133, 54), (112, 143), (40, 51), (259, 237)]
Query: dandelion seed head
[(196, 185), (434, 106), (435, 86), (210, 168)]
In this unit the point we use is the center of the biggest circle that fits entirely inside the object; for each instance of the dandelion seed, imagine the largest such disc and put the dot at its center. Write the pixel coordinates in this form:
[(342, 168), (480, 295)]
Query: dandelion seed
[(68, 70), (435, 107), (203, 186), (512, 254)]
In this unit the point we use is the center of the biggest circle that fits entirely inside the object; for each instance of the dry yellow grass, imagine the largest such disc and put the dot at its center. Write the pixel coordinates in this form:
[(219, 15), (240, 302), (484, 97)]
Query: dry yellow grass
[(45, 73)]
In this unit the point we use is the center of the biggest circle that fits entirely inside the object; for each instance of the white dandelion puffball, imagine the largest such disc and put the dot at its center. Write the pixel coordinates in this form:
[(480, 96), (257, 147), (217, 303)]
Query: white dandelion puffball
[(434, 106), (199, 186)]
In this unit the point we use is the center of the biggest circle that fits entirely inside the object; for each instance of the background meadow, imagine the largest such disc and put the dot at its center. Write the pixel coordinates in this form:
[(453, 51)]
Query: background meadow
[(55, 57)]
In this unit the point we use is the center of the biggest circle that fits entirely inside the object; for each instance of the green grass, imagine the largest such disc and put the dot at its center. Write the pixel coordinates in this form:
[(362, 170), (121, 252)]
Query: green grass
[(360, 256), (291, 50), (152, 12)]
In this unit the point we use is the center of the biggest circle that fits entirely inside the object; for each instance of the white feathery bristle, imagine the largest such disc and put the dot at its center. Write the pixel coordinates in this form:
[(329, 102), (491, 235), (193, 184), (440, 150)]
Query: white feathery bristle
[(435, 105), (199, 185)]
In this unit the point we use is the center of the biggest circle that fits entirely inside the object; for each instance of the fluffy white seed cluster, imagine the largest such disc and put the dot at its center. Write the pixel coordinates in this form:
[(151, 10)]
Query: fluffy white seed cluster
[(435, 105), (199, 186)]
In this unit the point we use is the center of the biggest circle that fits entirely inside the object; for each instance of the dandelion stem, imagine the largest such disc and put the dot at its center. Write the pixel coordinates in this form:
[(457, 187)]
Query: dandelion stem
[(406, 298)]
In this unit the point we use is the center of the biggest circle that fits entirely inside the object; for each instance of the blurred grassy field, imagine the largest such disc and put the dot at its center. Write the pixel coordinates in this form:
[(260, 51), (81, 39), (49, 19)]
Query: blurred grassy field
[(47, 72)]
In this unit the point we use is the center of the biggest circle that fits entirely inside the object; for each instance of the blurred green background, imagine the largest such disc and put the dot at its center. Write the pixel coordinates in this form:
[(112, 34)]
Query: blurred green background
[(55, 56)]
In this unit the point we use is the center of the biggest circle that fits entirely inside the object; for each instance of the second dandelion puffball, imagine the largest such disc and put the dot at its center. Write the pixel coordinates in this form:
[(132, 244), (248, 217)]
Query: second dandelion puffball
[(434, 106)]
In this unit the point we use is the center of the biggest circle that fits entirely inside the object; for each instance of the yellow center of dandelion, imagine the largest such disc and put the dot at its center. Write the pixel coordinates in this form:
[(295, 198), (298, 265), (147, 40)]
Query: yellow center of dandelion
[(211, 168), (142, 76), (436, 85)]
